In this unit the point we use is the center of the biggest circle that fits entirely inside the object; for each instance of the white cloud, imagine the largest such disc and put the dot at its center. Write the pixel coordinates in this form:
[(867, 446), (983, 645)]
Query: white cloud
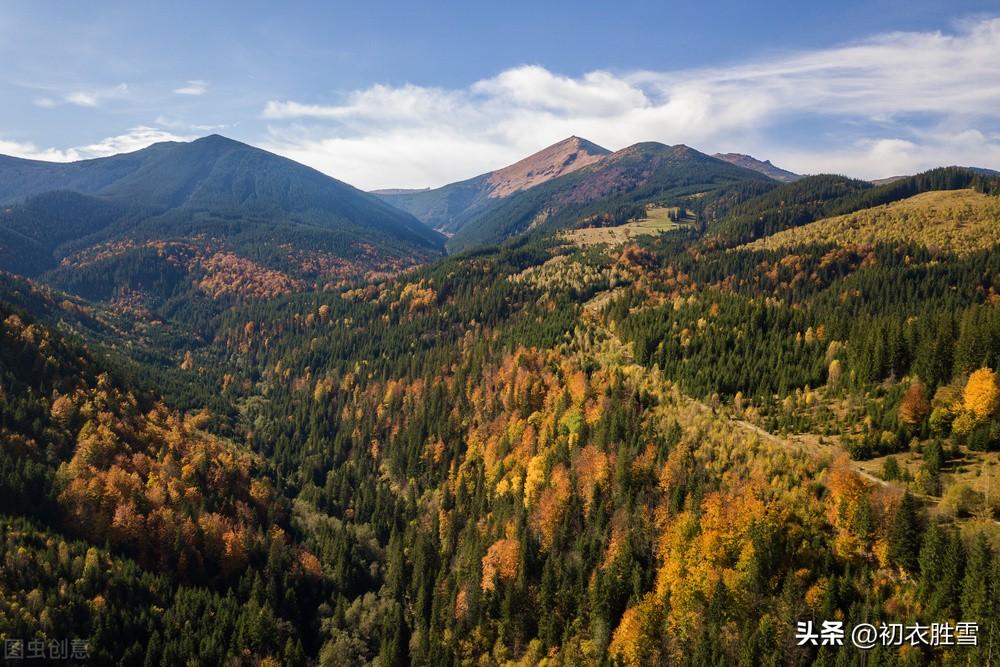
[(379, 103), (194, 87), (881, 157), (93, 98), (133, 140), (899, 101)]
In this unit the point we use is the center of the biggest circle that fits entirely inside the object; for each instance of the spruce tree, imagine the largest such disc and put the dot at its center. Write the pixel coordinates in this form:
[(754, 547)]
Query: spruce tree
[(904, 535)]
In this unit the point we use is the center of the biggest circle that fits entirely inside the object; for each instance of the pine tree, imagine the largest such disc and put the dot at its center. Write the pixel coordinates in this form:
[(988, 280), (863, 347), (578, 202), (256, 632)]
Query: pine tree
[(977, 602), (904, 535)]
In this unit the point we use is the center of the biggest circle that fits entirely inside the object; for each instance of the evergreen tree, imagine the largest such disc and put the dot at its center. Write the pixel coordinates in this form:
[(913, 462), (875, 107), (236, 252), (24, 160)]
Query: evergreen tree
[(905, 535)]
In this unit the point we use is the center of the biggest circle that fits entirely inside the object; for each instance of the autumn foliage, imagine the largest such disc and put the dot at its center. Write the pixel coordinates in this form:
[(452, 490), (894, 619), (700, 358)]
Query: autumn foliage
[(915, 405), (982, 395), (154, 484), (500, 563)]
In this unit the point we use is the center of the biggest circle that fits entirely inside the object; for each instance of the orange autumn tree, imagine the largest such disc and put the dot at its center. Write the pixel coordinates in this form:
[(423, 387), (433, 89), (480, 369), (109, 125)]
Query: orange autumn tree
[(848, 509), (500, 563), (638, 639), (700, 552), (548, 509), (915, 406)]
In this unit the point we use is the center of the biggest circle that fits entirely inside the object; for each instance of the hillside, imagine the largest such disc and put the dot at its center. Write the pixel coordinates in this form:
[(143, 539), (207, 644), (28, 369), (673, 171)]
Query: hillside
[(763, 166), (746, 215), (956, 221), (611, 188), (103, 485), (446, 207), (212, 195)]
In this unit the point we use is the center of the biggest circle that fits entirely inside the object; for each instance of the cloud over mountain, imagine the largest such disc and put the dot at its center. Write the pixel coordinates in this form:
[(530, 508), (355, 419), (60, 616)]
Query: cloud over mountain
[(892, 102)]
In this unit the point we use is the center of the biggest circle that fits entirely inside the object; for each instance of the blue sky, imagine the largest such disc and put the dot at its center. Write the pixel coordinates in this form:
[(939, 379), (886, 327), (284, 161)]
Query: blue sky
[(416, 94)]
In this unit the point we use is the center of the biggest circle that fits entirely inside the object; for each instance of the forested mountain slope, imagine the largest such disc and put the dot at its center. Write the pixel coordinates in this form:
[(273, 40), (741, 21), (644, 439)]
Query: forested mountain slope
[(958, 221), (210, 211), (747, 215), (85, 456)]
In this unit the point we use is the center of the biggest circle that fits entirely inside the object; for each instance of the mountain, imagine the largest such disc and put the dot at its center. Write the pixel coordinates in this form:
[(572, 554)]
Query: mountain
[(765, 167), (887, 180), (209, 200), (398, 191), (609, 188), (444, 208)]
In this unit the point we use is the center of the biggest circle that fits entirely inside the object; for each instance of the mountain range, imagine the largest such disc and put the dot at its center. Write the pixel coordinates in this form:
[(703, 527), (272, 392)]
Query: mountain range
[(220, 218), (567, 184), (447, 207), (215, 200)]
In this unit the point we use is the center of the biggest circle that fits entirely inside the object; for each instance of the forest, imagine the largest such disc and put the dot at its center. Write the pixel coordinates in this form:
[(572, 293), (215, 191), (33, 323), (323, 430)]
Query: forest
[(675, 449)]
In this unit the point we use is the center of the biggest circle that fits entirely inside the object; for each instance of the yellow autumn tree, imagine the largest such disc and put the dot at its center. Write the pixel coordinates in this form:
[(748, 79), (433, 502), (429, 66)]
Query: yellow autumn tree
[(636, 640), (982, 396)]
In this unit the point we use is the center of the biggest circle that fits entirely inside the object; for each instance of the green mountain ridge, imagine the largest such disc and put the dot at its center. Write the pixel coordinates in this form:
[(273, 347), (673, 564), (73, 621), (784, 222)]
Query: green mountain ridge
[(213, 187), (810, 198)]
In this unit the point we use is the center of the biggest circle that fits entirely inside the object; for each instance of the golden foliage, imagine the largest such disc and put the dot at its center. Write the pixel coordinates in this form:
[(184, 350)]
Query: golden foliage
[(982, 395), (226, 273), (636, 640), (419, 297), (143, 481), (548, 510), (592, 469)]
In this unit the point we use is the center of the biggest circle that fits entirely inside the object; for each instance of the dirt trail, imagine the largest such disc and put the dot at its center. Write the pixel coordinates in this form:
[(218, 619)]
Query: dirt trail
[(806, 447)]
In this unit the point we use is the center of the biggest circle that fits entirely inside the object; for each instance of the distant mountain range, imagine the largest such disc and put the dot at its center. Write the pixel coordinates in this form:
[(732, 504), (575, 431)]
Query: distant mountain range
[(213, 197), (983, 171), (763, 166), (220, 218), (217, 197), (566, 179), (446, 208), (609, 190)]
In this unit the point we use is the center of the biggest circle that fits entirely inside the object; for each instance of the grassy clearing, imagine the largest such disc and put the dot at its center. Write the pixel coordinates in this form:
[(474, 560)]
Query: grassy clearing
[(657, 221)]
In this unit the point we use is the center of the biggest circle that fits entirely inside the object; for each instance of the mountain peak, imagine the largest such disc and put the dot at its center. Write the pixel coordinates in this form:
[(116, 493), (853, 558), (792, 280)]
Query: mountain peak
[(762, 166), (564, 157), (220, 142)]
